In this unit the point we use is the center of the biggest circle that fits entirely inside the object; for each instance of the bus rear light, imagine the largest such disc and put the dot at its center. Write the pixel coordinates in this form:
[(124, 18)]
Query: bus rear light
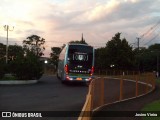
[(89, 79), (66, 69), (67, 78), (92, 70)]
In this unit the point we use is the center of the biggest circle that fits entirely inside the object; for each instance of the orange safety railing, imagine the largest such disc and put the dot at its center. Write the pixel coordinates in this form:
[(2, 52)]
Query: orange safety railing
[(107, 90)]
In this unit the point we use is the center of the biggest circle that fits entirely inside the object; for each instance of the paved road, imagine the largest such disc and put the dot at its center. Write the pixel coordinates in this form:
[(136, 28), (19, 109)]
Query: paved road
[(47, 95), (50, 95)]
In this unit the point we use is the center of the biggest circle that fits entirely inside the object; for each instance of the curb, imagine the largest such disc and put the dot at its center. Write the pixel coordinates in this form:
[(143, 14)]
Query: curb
[(17, 82)]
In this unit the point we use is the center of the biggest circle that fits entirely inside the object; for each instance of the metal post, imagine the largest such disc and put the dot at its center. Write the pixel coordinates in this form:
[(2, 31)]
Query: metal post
[(7, 45), (6, 28), (138, 42), (121, 89), (157, 64), (101, 91), (137, 77), (147, 82)]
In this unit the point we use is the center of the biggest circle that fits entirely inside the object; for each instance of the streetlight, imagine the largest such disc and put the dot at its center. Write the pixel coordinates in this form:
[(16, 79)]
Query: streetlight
[(45, 61), (157, 72), (45, 69), (112, 66), (7, 28)]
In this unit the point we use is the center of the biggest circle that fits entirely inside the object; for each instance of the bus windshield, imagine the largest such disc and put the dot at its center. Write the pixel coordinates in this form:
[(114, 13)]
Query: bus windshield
[(80, 59)]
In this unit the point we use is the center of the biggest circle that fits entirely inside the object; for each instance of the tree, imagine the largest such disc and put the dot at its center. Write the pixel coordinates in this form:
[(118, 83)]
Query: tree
[(78, 42), (149, 58), (155, 47), (138, 63), (2, 60), (100, 54), (2, 68), (14, 51), (24, 66), (119, 53), (35, 44), (2, 51), (54, 55), (28, 67)]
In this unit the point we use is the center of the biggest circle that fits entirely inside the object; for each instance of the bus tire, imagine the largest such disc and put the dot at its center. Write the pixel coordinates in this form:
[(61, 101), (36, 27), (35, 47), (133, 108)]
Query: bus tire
[(63, 81), (58, 76)]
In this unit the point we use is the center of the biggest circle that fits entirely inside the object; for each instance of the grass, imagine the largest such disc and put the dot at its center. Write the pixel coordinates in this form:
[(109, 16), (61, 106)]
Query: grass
[(9, 78), (158, 81), (152, 107)]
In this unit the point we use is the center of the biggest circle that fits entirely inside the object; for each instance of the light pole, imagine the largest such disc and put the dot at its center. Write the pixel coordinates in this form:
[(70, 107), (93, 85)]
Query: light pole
[(157, 65), (7, 28)]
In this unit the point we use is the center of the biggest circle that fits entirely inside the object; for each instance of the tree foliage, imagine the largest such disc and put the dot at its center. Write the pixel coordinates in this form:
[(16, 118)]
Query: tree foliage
[(34, 44), (78, 42), (82, 41), (149, 58), (2, 68), (14, 51), (100, 61), (54, 55), (24, 60), (2, 51), (117, 52), (28, 67)]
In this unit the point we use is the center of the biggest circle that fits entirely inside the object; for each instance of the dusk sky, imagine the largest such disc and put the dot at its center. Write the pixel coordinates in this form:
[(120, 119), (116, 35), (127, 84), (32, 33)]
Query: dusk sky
[(60, 21)]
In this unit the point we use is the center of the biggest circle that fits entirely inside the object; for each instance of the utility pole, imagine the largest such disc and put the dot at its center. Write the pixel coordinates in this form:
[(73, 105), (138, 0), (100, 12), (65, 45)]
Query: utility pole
[(138, 53), (6, 28), (82, 39), (138, 42)]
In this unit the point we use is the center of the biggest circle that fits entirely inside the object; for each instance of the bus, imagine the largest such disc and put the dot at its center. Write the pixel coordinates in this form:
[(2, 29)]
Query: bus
[(76, 63)]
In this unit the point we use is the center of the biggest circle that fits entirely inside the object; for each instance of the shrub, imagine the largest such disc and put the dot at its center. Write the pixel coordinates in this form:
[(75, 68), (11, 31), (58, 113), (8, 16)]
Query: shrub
[(2, 69), (27, 68)]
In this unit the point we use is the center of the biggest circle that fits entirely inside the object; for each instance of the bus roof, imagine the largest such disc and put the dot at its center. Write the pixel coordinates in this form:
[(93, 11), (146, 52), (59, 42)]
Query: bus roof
[(79, 44)]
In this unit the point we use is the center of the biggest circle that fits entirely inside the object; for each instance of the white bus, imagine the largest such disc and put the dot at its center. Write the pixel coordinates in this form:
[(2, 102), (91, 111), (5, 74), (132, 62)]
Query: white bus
[(76, 63)]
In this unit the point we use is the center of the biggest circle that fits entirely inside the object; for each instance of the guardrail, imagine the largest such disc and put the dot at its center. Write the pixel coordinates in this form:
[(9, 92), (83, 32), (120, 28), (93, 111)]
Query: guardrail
[(107, 90)]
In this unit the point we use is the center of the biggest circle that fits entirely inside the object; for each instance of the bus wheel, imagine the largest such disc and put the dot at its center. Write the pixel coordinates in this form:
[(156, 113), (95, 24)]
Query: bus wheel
[(58, 76), (63, 81)]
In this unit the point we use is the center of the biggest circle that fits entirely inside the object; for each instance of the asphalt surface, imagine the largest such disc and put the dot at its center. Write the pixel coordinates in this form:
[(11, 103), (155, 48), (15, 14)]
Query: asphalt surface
[(47, 95), (50, 95), (127, 107)]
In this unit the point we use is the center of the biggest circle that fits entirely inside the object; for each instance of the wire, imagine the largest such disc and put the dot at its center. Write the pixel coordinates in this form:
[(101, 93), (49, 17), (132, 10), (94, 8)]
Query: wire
[(152, 39), (150, 31)]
